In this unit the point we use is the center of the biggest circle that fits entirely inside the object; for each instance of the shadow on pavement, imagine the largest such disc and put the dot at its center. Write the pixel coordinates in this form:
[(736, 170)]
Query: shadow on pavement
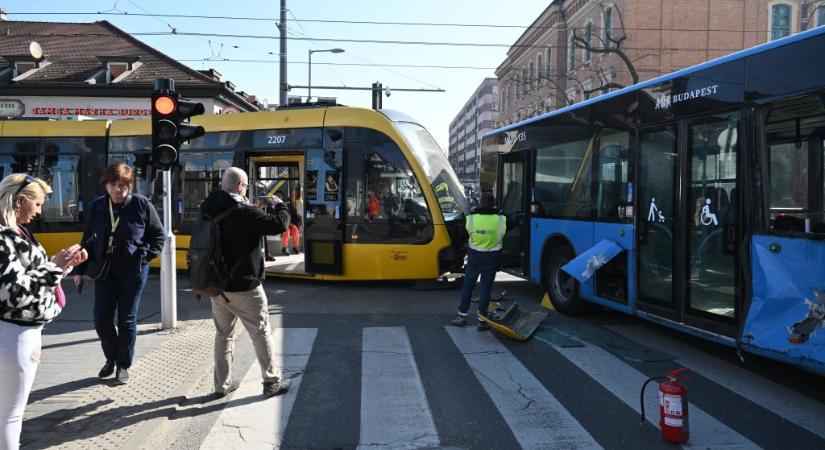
[(58, 389), (95, 339), (65, 428)]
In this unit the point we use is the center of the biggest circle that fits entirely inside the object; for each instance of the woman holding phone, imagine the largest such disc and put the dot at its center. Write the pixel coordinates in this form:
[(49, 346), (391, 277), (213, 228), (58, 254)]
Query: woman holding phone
[(30, 294)]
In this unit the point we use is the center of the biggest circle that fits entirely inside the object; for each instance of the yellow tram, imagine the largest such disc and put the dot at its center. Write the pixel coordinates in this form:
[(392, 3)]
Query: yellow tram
[(377, 196)]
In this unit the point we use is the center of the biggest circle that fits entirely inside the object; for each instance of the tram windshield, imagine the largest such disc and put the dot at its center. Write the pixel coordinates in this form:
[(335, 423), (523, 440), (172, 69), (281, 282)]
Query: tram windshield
[(439, 173)]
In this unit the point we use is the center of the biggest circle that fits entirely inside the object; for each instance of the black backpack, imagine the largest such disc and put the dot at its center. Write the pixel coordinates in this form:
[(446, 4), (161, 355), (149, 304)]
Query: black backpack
[(208, 272)]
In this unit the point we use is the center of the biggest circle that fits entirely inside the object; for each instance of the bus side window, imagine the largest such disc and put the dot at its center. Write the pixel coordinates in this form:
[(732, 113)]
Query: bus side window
[(788, 187), (796, 165), (612, 163)]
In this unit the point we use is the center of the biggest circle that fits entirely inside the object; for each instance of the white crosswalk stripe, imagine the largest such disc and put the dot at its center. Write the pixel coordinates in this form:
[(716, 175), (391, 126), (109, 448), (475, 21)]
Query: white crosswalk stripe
[(624, 382), (796, 408), (395, 412), (535, 416), (394, 409), (250, 421)]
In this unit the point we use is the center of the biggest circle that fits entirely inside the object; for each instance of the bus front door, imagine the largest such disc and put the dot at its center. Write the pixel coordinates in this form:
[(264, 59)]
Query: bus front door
[(323, 226), (512, 199), (656, 224)]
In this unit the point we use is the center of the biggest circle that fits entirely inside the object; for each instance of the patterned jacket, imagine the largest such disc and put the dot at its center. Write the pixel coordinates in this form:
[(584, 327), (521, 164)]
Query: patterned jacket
[(27, 280)]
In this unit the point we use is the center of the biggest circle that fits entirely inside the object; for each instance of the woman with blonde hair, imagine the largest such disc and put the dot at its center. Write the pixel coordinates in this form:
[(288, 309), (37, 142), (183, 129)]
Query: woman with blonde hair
[(30, 295)]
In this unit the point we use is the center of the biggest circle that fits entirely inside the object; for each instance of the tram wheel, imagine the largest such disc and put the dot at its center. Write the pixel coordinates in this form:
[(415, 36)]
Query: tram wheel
[(563, 289)]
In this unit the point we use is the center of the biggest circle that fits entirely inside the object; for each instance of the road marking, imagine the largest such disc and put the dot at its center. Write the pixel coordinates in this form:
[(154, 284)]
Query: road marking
[(394, 408), (796, 408), (535, 416), (250, 421), (624, 382)]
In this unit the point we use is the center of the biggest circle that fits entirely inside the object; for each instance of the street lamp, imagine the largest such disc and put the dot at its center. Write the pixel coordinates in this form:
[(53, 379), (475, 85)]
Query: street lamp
[(309, 77)]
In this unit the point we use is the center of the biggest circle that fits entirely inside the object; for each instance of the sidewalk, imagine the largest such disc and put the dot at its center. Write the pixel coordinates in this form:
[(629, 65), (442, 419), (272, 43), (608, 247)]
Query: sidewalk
[(70, 407)]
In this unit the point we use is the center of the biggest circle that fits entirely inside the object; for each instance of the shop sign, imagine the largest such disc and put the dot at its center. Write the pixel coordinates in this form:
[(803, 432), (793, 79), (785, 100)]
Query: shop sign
[(85, 111)]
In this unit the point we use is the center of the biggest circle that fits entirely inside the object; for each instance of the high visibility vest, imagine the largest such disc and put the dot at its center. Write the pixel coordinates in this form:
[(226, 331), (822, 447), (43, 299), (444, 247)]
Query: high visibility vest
[(486, 231)]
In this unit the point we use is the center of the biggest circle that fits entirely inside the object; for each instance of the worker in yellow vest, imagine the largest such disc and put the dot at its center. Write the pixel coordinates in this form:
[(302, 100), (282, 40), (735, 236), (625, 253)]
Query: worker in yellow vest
[(486, 228)]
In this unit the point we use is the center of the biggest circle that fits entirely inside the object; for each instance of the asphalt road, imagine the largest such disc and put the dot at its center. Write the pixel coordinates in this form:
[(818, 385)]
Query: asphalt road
[(377, 366)]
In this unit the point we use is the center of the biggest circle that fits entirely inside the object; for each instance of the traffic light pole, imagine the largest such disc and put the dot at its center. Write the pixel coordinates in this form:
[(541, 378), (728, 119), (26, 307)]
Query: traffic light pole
[(168, 277), (171, 128)]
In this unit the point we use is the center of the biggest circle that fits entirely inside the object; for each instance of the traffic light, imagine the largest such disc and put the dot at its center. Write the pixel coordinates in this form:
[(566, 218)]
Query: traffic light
[(170, 127)]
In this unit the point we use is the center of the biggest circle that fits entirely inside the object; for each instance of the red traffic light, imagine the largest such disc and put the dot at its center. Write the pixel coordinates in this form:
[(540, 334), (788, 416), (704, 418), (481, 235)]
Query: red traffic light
[(164, 105)]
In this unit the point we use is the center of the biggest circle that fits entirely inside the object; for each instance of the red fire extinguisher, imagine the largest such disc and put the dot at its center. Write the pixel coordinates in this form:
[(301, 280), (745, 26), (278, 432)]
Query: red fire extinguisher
[(673, 406)]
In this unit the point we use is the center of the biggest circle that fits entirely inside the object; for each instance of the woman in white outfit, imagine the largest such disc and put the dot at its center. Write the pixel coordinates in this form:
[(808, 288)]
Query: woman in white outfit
[(30, 295)]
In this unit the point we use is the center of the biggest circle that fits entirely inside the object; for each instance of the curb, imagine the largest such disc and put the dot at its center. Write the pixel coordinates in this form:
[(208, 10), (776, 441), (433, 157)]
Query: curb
[(123, 417)]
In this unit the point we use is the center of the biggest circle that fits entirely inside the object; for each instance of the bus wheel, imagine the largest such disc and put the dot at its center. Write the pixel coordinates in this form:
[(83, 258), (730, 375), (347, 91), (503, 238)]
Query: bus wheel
[(563, 289)]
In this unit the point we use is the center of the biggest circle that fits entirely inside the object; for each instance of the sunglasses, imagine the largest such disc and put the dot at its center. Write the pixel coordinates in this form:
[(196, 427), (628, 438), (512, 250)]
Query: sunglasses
[(26, 181)]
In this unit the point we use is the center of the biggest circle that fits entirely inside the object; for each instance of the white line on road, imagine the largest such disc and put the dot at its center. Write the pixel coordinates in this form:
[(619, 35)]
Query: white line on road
[(250, 421), (796, 408), (625, 382), (394, 409), (535, 416)]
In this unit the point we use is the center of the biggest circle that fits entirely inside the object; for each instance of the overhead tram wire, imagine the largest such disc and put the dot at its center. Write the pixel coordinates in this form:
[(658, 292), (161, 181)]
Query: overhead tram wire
[(366, 41), (369, 22), (306, 34)]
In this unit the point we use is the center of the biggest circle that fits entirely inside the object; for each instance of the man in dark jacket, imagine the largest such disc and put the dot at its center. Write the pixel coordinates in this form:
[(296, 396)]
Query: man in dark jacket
[(241, 233)]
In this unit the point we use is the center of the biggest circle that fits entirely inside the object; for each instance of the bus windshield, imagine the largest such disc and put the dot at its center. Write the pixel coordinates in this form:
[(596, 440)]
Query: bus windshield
[(439, 173)]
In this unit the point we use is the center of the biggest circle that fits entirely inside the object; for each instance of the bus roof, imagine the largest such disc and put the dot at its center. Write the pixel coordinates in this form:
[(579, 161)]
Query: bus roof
[(661, 79)]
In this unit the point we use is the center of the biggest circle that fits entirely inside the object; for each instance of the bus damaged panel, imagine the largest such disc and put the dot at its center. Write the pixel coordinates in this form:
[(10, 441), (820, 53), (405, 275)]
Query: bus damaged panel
[(785, 317), (578, 234)]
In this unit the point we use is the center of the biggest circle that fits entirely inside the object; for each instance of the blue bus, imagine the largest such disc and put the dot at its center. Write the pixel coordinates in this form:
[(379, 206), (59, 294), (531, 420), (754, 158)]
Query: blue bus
[(695, 200)]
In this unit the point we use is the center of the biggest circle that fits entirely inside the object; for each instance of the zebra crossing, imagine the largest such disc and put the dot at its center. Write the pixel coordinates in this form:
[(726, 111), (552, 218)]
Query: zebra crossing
[(400, 409)]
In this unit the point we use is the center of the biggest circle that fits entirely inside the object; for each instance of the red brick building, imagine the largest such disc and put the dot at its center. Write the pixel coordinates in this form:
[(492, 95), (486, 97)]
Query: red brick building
[(546, 68)]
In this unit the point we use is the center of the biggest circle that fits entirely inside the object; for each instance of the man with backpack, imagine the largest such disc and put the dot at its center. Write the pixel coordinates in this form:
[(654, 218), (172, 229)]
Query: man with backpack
[(237, 270)]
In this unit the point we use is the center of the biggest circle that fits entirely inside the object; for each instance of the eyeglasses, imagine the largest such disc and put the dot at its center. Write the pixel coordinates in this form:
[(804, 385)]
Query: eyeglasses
[(26, 181)]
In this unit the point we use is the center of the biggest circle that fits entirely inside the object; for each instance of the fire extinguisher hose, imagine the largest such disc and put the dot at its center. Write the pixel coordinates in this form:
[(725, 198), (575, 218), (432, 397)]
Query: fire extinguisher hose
[(642, 395)]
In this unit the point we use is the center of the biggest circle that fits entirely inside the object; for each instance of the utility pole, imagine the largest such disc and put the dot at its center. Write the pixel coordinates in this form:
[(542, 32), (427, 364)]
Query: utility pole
[(282, 88)]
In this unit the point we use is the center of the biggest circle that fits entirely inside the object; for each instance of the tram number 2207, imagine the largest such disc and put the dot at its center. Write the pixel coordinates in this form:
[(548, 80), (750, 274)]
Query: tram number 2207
[(276, 140)]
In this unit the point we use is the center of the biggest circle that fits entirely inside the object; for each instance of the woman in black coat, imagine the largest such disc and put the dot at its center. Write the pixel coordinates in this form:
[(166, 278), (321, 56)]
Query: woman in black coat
[(122, 236)]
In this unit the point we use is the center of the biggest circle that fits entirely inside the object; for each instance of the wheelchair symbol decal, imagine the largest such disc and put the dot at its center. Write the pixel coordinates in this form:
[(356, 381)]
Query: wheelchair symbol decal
[(708, 217)]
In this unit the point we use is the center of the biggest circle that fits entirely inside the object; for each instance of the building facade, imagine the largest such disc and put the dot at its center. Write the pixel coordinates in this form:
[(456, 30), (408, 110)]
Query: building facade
[(578, 49), (479, 114), (52, 70)]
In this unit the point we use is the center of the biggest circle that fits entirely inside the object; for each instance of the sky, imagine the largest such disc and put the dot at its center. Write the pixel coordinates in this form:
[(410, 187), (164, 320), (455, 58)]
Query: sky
[(252, 63)]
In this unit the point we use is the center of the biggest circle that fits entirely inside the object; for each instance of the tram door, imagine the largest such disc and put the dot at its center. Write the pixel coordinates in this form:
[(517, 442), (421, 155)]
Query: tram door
[(323, 225), (281, 176), (512, 198), (687, 223)]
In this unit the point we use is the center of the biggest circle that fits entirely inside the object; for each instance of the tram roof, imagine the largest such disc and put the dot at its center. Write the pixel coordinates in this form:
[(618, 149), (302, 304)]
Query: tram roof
[(661, 79), (397, 116)]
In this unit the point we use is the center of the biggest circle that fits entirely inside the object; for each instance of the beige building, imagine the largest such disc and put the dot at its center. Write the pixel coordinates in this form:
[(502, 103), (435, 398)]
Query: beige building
[(579, 49), (479, 115)]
